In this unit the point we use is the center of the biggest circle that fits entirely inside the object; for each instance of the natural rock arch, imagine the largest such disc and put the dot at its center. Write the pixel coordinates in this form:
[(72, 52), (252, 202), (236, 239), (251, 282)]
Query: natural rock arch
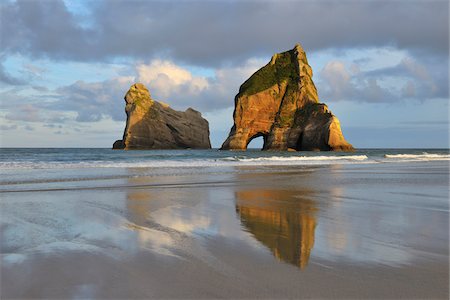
[(255, 136), (281, 101), (298, 144)]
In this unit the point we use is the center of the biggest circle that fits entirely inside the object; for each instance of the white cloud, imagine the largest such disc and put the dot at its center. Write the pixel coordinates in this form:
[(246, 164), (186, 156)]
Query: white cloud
[(337, 77), (416, 70), (166, 78), (94, 101), (179, 87), (150, 72), (409, 90), (340, 82), (26, 112), (86, 101), (403, 79)]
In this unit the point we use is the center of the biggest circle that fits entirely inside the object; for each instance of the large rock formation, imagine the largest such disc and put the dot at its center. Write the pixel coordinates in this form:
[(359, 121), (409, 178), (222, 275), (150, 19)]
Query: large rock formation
[(154, 125), (280, 103)]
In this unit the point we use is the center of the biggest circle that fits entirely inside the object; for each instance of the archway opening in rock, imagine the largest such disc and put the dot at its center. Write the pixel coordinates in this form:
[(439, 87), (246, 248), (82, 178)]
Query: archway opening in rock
[(258, 141), (298, 145)]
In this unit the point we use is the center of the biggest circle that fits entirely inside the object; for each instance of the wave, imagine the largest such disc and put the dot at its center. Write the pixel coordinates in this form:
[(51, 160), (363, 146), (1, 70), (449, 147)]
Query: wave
[(188, 163), (423, 156), (231, 161), (305, 158)]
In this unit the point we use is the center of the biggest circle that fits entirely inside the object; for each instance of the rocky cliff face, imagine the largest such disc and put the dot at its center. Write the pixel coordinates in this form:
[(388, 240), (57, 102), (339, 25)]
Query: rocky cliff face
[(154, 125), (280, 103)]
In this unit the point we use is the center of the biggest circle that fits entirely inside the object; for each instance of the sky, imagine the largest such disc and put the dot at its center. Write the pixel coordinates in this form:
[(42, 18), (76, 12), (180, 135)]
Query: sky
[(382, 67)]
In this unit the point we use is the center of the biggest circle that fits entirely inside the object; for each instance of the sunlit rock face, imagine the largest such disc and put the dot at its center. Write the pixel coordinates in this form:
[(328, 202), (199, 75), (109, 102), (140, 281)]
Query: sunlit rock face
[(281, 221), (280, 103), (154, 125)]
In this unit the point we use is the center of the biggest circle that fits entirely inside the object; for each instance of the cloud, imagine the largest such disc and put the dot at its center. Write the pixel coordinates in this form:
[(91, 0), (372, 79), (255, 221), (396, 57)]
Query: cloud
[(421, 82), (33, 70), (28, 127), (167, 78), (337, 82), (409, 90), (177, 86), (164, 45), (214, 33), (338, 78), (41, 28), (40, 88), (166, 81), (25, 112), (6, 78), (8, 127), (408, 79), (28, 73), (93, 101)]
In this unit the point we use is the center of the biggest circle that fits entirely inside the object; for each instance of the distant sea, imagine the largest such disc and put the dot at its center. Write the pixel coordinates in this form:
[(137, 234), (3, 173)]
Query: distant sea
[(45, 165)]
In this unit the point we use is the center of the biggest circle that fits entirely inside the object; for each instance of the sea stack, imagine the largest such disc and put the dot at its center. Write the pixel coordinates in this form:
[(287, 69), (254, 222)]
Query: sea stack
[(154, 125), (280, 103)]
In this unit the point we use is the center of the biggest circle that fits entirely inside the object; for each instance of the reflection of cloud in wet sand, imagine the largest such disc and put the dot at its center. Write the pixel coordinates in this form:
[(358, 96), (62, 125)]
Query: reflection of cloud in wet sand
[(139, 206), (161, 218), (282, 220)]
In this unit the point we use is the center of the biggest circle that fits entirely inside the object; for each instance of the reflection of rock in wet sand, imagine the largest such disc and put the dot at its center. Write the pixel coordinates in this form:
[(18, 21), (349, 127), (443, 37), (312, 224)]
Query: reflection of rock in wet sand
[(166, 209), (281, 220)]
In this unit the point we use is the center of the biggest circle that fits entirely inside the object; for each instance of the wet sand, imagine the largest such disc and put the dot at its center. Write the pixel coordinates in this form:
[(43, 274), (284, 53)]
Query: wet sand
[(338, 231)]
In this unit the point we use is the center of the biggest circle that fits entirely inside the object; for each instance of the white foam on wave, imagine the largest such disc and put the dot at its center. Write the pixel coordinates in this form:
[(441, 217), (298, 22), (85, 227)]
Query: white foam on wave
[(423, 156), (219, 162), (305, 158), (232, 161)]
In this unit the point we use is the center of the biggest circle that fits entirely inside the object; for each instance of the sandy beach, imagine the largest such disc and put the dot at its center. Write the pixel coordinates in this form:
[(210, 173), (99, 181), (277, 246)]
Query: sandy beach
[(335, 231)]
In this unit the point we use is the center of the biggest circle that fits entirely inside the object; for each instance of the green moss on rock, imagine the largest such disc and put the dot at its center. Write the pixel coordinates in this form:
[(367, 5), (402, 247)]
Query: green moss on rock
[(311, 110), (281, 68), (138, 95)]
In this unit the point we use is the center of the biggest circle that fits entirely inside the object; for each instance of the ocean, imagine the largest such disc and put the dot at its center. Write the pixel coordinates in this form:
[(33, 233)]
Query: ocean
[(45, 165), (102, 223)]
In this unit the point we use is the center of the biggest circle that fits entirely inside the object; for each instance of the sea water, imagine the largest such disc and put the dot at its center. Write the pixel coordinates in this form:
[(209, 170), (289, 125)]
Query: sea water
[(20, 166)]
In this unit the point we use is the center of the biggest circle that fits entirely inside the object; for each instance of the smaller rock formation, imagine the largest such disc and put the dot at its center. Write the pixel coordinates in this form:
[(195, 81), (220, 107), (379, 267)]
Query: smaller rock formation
[(280, 103), (154, 125)]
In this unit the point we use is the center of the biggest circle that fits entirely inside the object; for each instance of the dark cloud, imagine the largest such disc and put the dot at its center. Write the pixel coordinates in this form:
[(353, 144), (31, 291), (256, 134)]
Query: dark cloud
[(42, 28), (213, 33)]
